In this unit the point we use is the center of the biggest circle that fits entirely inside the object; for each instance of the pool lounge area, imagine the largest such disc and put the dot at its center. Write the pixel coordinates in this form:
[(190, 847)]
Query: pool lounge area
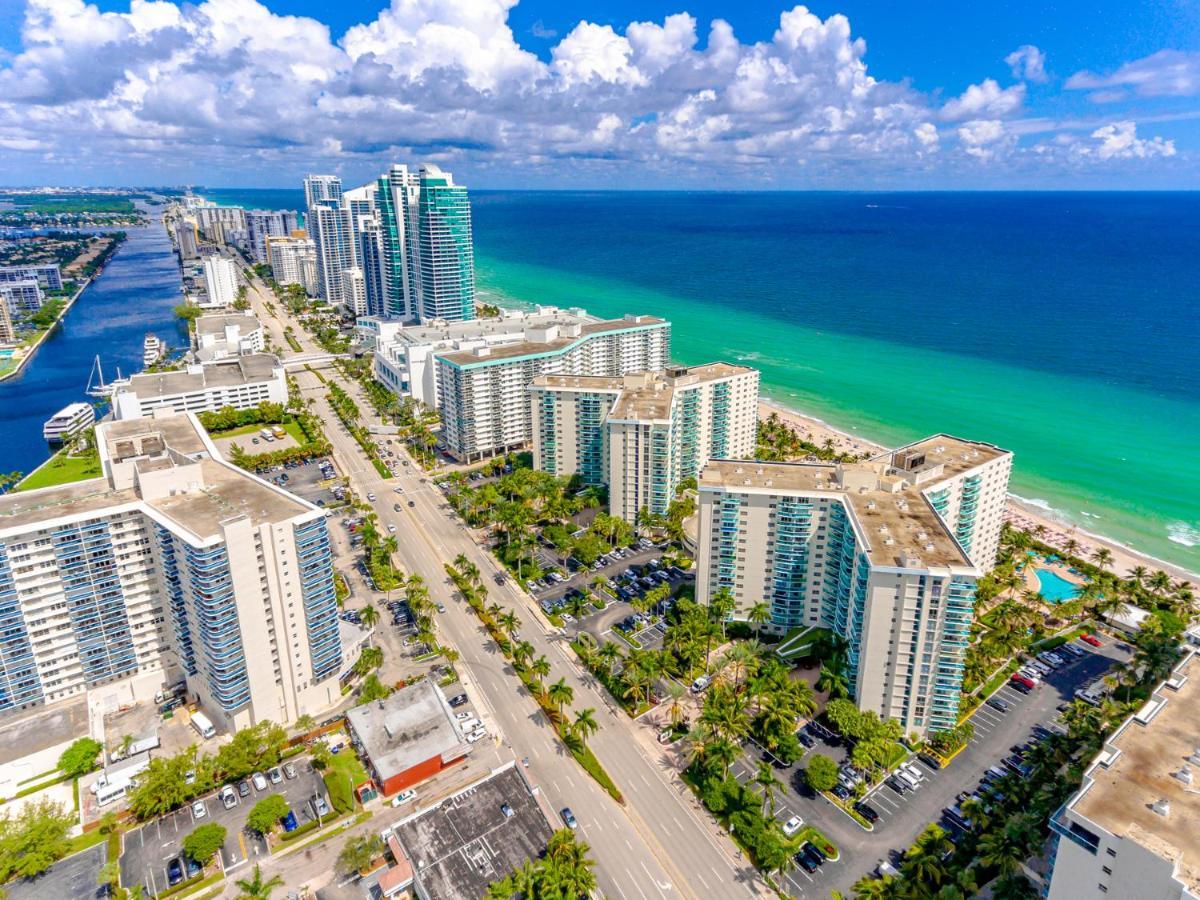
[(1054, 587)]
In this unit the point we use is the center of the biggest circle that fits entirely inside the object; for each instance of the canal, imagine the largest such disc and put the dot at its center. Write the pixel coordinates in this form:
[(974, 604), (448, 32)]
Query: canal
[(136, 293)]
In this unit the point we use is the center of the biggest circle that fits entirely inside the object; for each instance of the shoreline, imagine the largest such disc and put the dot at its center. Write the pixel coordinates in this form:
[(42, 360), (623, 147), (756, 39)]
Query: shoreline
[(49, 331), (1020, 512)]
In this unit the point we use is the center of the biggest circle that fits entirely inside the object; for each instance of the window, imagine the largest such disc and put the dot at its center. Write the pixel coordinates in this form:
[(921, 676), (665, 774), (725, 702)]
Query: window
[(1103, 888), (1111, 852), (1106, 870)]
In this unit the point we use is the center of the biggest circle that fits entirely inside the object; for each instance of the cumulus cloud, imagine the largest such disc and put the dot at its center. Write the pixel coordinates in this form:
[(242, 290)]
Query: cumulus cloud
[(1120, 141), (1167, 73), (985, 99), (1027, 63), (228, 85)]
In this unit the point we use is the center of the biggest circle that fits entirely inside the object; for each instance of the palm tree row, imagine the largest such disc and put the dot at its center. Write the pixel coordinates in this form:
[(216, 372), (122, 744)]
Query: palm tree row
[(565, 871)]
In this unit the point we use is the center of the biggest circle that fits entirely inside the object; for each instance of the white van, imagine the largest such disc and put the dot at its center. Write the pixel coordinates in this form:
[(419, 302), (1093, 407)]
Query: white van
[(469, 725), (885, 869), (701, 684), (908, 778)]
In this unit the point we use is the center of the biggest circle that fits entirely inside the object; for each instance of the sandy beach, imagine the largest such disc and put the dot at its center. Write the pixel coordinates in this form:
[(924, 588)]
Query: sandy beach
[(1020, 515)]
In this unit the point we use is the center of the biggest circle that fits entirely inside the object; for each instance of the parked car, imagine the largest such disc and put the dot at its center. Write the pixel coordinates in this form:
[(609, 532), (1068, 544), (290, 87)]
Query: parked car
[(289, 771), (275, 774), (997, 704), (568, 817), (1092, 640), (243, 788), (867, 812), (199, 810), (403, 797), (228, 798), (458, 700), (174, 872), (260, 782), (792, 825), (841, 791)]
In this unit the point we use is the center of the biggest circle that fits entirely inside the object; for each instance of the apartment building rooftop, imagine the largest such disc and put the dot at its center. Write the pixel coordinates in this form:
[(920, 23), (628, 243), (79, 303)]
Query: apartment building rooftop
[(216, 325), (168, 464), (249, 369), (898, 524), (579, 382), (1138, 773), (577, 331), (510, 320), (648, 395), (953, 454)]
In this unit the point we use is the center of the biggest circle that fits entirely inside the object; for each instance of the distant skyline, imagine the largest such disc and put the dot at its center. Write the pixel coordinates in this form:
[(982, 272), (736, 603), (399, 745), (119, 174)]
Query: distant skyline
[(686, 94)]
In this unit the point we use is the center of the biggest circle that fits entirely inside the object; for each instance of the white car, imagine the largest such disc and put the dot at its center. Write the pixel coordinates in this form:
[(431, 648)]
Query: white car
[(477, 735), (199, 810), (260, 782), (792, 825), (463, 716), (391, 528), (371, 497), (403, 797)]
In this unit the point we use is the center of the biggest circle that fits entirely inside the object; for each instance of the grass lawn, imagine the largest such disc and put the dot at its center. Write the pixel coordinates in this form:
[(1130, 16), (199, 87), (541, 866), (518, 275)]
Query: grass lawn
[(347, 762), (61, 469), (290, 427)]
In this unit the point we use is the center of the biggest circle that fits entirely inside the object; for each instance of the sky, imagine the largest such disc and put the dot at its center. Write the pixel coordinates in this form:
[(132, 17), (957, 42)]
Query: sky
[(845, 94)]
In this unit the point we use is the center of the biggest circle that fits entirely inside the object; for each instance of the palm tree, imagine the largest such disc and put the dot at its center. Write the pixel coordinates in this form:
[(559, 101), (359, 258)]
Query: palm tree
[(833, 680), (758, 615), (768, 784), (585, 723), (561, 694), (509, 621), (255, 888), (540, 668), (370, 616), (609, 653), (676, 692), (871, 888), (1103, 557)]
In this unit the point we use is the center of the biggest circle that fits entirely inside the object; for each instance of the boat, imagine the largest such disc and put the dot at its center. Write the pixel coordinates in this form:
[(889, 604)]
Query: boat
[(68, 422), (96, 386), (152, 350)]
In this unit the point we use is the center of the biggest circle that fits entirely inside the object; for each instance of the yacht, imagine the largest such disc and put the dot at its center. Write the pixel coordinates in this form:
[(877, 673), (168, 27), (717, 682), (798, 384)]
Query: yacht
[(68, 422), (152, 350)]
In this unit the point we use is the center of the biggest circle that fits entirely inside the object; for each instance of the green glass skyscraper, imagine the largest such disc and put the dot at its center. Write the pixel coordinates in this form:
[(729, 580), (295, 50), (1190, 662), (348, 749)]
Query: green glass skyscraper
[(446, 257)]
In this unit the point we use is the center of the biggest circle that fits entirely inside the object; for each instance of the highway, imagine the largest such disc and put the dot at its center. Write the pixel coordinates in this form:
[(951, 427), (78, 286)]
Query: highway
[(657, 845)]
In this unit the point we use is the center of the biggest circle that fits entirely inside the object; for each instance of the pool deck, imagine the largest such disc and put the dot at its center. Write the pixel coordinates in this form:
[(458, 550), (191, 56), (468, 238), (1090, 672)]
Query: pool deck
[(1029, 573)]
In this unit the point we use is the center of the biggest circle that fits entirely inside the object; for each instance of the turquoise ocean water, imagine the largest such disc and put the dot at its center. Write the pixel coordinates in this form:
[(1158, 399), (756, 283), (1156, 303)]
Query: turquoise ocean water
[(1061, 326)]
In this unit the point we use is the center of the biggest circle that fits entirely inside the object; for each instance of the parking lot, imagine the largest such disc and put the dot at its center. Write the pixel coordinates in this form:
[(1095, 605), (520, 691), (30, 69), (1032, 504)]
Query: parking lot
[(903, 816), (307, 480), (147, 851)]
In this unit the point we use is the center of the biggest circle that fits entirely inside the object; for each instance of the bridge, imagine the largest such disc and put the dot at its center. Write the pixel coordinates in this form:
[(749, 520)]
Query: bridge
[(317, 359)]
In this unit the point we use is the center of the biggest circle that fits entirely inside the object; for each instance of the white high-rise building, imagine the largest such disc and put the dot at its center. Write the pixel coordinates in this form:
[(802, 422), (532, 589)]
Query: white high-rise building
[(172, 564), (354, 292), (643, 434), (21, 298), (331, 231), (216, 222), (293, 260), (860, 549), (221, 279), (263, 224), (483, 391), (1130, 829)]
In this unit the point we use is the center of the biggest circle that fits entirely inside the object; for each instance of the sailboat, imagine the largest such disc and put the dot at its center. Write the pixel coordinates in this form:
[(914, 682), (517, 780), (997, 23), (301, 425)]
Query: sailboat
[(96, 386)]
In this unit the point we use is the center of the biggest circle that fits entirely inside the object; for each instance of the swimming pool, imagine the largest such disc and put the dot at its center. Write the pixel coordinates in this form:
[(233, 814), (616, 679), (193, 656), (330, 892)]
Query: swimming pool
[(6, 354), (1054, 587)]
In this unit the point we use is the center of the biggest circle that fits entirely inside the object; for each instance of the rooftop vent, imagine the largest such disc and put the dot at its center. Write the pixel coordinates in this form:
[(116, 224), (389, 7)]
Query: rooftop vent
[(870, 504), (1184, 774), (1162, 807), (1195, 758), (929, 547)]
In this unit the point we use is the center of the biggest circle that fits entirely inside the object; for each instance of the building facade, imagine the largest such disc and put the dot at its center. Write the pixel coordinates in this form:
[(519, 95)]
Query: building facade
[(175, 562), (857, 549), (642, 435), (262, 224), (293, 260), (217, 222), (21, 298), (483, 392), (47, 275), (241, 382), (8, 334), (446, 246), (222, 336), (186, 242), (1130, 829), (221, 280)]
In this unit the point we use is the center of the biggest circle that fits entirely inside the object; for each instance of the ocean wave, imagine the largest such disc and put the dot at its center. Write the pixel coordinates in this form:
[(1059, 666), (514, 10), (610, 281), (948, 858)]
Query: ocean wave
[(1036, 501), (1088, 515), (1183, 533)]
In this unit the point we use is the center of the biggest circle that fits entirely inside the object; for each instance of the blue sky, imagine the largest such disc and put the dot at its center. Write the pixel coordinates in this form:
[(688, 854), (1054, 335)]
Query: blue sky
[(538, 93)]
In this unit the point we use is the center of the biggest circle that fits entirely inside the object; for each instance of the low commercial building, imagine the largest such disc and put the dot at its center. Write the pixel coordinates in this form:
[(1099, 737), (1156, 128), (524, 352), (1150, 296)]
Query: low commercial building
[(47, 275), (860, 549), (221, 280), (242, 382), (221, 336), (473, 838), (172, 562), (408, 737), (483, 391), (1130, 830), (645, 433)]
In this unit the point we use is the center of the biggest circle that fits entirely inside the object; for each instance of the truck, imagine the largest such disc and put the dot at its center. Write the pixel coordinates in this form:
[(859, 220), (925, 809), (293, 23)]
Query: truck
[(278, 432), (201, 723), (268, 434)]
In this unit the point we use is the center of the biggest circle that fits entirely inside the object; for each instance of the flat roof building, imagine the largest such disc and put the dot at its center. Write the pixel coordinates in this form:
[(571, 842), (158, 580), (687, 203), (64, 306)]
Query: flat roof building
[(175, 561), (241, 382), (224, 335), (474, 837), (644, 433), (407, 737), (47, 275), (866, 551), (221, 280), (1131, 828)]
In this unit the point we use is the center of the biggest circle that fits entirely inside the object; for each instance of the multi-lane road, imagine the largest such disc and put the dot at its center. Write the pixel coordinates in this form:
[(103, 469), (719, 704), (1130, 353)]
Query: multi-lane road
[(655, 846)]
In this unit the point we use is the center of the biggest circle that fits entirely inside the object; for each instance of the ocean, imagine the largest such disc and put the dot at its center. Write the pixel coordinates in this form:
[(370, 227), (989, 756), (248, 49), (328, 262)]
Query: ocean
[(1059, 325)]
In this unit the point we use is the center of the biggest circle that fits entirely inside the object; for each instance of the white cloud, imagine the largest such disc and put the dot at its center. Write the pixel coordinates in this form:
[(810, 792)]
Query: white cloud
[(1027, 63), (194, 90), (985, 99), (1120, 141), (1167, 73)]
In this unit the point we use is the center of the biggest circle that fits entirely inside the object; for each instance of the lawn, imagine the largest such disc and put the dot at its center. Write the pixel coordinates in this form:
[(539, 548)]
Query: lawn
[(290, 427), (61, 469), (346, 762)]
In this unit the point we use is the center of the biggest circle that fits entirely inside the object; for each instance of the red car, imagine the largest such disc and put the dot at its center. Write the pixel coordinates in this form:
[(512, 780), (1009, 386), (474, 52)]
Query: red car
[(1091, 639), (1021, 679)]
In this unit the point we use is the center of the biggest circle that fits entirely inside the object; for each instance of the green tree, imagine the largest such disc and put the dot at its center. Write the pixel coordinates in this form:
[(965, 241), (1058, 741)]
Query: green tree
[(372, 689), (80, 757), (821, 773), (561, 694), (34, 840), (585, 724), (204, 842), (256, 887), (358, 852), (266, 814)]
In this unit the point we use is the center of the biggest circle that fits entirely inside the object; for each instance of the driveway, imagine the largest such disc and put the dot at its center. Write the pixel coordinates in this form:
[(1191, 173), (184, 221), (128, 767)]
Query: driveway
[(903, 817), (148, 850)]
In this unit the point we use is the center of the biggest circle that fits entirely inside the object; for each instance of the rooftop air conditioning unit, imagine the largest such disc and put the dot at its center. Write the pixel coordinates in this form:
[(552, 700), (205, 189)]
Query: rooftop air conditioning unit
[(1184, 774), (1162, 807)]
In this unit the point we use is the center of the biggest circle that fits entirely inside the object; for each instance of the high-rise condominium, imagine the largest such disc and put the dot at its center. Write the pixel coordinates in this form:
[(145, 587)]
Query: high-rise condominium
[(643, 434), (221, 279), (263, 224), (329, 230), (447, 252), (172, 564), (861, 549), (398, 193)]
